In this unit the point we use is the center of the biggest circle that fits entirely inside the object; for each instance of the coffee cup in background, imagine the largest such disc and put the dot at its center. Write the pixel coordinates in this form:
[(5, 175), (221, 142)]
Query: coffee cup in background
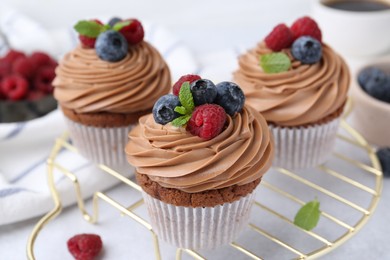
[(355, 28)]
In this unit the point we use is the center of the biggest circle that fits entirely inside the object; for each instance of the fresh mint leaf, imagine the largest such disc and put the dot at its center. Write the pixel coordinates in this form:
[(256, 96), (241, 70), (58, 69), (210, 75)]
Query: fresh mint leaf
[(275, 62), (187, 105), (105, 27), (89, 28), (308, 216), (181, 110), (181, 120), (185, 97), (118, 26)]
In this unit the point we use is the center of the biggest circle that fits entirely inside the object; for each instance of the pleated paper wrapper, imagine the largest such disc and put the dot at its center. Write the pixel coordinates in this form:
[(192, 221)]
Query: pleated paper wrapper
[(200, 227), (304, 147), (104, 145)]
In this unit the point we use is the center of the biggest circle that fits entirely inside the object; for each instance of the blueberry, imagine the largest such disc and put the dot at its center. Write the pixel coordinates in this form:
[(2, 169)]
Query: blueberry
[(164, 109), (375, 82), (230, 97), (384, 158), (111, 46), (203, 91), (371, 74), (114, 20), (307, 50)]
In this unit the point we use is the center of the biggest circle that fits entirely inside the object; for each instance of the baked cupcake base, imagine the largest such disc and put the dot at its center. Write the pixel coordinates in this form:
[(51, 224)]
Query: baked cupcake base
[(305, 146), (98, 142), (202, 227), (218, 221), (103, 145)]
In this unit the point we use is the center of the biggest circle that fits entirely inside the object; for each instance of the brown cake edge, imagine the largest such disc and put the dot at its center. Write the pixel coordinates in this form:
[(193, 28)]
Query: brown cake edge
[(104, 119), (209, 198)]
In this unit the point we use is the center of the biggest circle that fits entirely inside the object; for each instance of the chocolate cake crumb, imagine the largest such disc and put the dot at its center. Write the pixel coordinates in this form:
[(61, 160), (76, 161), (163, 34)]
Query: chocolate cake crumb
[(104, 119), (209, 198)]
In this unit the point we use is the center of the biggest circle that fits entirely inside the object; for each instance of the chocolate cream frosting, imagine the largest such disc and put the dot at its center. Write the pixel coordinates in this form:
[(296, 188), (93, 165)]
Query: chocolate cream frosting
[(87, 84), (174, 158), (304, 94)]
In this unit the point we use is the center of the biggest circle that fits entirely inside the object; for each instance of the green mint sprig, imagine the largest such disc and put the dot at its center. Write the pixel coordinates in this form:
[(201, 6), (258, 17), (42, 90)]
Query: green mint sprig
[(90, 29), (119, 25), (308, 216), (181, 120), (275, 62), (187, 105)]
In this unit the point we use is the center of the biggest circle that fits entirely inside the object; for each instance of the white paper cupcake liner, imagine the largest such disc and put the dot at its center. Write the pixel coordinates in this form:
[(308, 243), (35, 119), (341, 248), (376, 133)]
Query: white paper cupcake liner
[(199, 228), (103, 145), (303, 147)]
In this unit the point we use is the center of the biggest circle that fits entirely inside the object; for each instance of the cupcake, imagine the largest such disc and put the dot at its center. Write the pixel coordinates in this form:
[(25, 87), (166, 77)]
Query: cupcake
[(299, 84), (106, 83), (199, 158)]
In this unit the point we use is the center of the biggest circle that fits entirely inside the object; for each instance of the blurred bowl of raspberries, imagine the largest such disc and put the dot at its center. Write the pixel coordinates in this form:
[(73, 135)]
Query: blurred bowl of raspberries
[(26, 90), (371, 95)]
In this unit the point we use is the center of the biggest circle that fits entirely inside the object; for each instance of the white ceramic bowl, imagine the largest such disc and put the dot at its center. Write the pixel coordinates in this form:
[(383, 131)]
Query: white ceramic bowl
[(353, 33), (370, 116)]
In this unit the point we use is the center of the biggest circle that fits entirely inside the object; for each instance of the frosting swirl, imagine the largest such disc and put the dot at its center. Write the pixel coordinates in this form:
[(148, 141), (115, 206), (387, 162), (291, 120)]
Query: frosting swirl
[(302, 95), (174, 158), (85, 83)]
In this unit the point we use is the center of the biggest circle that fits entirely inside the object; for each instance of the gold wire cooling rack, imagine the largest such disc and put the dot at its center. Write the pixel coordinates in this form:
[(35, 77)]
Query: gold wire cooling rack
[(363, 175)]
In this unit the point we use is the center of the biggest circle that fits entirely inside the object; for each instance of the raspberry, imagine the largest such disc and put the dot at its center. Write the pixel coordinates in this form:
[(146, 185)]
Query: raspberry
[(15, 87), (85, 246), (5, 69), (306, 26), (177, 86), (97, 21), (280, 38), (13, 55), (43, 79), (134, 32), (2, 94), (89, 42), (53, 63), (24, 67), (207, 121), (39, 59)]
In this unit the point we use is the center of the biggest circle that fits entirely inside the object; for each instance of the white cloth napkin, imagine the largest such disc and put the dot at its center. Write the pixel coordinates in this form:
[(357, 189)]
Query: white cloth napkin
[(25, 147)]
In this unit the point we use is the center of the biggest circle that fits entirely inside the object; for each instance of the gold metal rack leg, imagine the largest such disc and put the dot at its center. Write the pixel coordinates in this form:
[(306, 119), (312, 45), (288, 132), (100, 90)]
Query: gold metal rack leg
[(245, 251), (373, 170), (57, 202), (92, 218), (195, 255)]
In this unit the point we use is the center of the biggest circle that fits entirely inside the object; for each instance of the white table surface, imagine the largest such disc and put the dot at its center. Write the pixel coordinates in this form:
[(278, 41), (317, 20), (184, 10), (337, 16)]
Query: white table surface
[(208, 28)]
